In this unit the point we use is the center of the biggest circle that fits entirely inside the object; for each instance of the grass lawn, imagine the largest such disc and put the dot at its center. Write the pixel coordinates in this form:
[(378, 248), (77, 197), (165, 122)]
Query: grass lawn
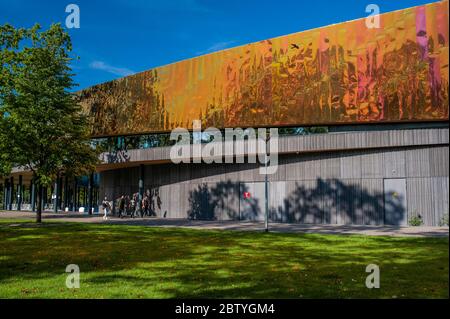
[(137, 261)]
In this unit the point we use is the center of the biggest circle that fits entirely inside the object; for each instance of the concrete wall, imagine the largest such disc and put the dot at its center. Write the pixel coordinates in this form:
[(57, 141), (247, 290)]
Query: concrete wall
[(374, 186)]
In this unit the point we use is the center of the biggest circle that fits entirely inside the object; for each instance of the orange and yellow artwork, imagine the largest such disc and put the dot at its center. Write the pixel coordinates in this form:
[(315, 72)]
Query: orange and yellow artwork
[(339, 74)]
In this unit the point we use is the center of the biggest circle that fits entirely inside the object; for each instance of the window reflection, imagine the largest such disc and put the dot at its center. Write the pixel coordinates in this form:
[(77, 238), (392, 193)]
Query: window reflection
[(119, 143)]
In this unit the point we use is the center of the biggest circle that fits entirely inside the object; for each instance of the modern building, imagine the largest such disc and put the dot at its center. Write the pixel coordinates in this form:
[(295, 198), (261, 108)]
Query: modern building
[(362, 113)]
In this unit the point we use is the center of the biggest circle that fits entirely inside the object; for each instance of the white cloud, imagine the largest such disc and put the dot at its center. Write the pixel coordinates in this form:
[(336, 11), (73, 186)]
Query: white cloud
[(100, 65), (217, 47)]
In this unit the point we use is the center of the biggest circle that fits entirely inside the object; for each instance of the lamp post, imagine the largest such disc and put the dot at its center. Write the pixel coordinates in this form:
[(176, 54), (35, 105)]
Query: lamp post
[(266, 199)]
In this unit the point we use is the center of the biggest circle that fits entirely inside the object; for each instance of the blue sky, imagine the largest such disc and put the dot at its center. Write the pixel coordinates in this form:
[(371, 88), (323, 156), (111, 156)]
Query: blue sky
[(120, 37)]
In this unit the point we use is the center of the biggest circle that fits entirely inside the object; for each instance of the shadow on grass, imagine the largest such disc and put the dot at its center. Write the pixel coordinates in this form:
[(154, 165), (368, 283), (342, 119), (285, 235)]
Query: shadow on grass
[(134, 261)]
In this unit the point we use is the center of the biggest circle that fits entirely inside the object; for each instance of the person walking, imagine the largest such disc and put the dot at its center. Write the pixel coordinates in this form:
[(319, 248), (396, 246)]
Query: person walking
[(106, 207), (136, 205), (121, 206), (132, 205)]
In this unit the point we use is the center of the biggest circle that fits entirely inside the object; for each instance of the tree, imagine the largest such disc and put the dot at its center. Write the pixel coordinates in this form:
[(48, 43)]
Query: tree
[(42, 127)]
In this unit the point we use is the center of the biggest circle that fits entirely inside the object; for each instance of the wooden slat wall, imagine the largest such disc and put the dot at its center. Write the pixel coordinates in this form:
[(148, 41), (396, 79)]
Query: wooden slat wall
[(312, 143), (343, 187), (372, 203), (440, 201)]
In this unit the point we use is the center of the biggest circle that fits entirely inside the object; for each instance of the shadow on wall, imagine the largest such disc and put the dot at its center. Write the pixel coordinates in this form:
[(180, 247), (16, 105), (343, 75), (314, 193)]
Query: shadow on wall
[(220, 202), (321, 201), (154, 198), (336, 201)]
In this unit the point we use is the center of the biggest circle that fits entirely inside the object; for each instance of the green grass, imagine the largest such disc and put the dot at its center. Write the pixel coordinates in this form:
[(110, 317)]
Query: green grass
[(119, 261)]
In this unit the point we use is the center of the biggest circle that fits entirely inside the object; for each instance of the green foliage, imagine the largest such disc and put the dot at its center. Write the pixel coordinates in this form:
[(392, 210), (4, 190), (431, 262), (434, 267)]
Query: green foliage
[(416, 221), (42, 127), (444, 220)]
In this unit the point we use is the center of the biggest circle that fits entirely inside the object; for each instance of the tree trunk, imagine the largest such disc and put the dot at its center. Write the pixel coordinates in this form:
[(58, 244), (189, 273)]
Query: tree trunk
[(39, 205)]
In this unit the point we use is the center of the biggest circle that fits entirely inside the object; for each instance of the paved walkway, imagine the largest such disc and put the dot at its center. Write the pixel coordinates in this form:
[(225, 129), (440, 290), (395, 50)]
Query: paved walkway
[(422, 231)]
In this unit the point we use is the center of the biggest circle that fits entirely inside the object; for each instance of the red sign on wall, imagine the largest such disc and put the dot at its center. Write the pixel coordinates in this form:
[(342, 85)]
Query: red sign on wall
[(247, 195)]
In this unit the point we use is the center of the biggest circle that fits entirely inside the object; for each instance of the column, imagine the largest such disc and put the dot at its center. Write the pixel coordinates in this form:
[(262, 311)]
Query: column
[(5, 194), (60, 192), (10, 193), (141, 187), (66, 193), (84, 198), (43, 197), (33, 195), (90, 195), (56, 190), (19, 193), (75, 195)]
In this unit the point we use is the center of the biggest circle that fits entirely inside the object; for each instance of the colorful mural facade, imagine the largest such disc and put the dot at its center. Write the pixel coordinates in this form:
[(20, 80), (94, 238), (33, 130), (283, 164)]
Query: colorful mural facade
[(339, 74)]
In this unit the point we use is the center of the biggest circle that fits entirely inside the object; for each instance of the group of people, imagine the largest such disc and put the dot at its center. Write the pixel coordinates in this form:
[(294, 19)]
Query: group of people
[(129, 206)]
